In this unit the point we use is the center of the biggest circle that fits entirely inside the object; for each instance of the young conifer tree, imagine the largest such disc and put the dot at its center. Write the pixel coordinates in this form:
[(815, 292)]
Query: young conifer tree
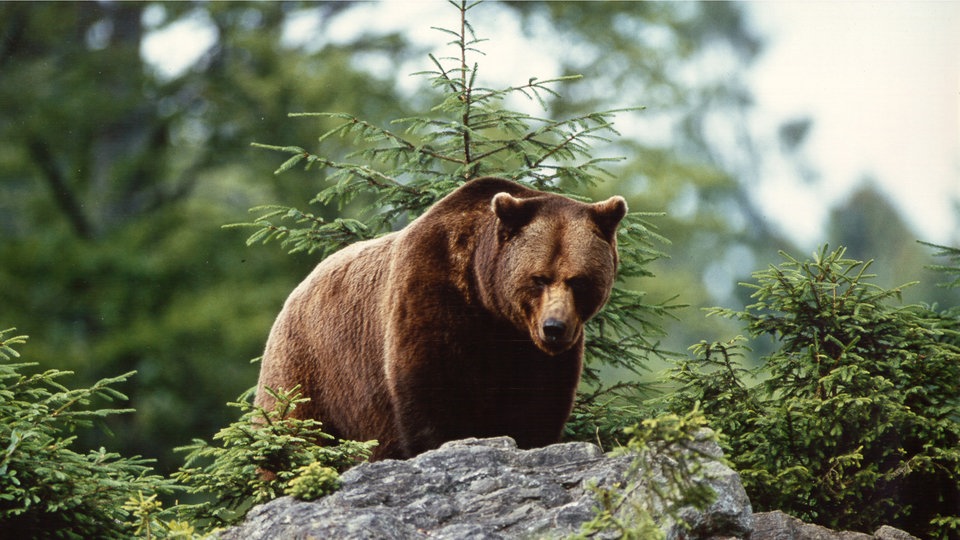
[(400, 170), (853, 420), (49, 486)]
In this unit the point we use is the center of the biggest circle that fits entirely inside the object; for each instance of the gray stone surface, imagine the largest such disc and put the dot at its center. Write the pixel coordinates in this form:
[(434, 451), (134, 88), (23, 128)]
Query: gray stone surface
[(779, 526), (489, 490), (485, 489), (890, 533)]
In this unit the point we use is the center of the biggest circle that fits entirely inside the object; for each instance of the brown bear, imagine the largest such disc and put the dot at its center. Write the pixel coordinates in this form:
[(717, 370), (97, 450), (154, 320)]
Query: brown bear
[(466, 323)]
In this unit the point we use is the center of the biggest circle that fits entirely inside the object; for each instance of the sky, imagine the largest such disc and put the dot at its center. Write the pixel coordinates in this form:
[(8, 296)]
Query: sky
[(879, 80)]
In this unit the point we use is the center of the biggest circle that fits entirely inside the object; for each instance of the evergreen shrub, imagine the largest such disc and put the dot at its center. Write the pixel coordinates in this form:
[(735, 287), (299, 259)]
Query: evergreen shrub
[(262, 456), (666, 476), (853, 421), (49, 488)]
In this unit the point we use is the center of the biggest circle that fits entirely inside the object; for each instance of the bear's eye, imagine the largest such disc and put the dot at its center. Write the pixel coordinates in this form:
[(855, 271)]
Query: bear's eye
[(585, 292), (579, 284), (541, 281)]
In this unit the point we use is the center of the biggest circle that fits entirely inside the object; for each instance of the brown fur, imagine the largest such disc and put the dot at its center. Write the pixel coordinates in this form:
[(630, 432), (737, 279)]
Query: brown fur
[(467, 323)]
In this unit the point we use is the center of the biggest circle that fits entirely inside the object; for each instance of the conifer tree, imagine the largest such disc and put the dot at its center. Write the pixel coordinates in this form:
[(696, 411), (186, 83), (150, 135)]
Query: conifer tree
[(50, 488), (853, 420)]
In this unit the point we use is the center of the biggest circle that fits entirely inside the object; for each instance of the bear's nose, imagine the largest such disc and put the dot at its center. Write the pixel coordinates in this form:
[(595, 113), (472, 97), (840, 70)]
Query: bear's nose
[(554, 329)]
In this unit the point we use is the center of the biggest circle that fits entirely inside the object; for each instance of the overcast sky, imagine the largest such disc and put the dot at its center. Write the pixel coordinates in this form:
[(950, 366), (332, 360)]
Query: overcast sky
[(879, 80)]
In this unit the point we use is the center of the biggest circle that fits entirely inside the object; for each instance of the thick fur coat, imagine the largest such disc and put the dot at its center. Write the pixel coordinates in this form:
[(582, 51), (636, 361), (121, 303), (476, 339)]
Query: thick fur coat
[(466, 323)]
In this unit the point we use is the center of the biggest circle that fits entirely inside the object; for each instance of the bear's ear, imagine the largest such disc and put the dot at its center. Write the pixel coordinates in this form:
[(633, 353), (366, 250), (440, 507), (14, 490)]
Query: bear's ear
[(607, 215), (512, 212)]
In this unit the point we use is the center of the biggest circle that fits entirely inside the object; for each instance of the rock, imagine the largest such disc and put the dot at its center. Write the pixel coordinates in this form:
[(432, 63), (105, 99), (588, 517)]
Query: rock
[(779, 526), (487, 489), (890, 533)]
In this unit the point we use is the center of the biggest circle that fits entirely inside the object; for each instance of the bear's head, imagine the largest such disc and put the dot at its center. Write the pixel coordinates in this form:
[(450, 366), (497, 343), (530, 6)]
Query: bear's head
[(555, 264)]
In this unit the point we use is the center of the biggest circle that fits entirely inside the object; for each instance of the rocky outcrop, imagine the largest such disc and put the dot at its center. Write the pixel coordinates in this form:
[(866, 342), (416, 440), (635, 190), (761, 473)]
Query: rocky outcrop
[(779, 526), (488, 489)]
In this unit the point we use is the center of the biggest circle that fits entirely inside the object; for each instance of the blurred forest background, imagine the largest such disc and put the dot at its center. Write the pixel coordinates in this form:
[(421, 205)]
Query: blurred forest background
[(116, 178)]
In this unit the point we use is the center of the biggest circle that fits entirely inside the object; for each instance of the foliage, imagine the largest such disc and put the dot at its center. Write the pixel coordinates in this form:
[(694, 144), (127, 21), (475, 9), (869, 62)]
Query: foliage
[(263, 455), (149, 520), (951, 269), (855, 418), (47, 487), (313, 481), (669, 463)]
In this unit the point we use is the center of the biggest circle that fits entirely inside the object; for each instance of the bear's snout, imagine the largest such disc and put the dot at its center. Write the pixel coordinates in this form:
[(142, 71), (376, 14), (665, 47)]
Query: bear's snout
[(553, 330), (555, 335)]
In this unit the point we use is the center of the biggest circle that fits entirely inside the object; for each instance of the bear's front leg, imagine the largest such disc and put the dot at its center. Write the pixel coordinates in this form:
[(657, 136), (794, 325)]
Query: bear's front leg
[(420, 400), (430, 337)]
